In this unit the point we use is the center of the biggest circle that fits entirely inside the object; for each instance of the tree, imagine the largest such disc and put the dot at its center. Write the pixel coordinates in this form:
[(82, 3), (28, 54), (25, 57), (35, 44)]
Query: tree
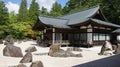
[(76, 5), (12, 17), (34, 11), (111, 9), (4, 18), (23, 15), (44, 11), (56, 10)]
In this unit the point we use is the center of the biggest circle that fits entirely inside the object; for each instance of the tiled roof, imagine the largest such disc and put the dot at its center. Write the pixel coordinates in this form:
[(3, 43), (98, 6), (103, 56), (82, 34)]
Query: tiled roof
[(55, 22), (105, 23), (82, 14), (116, 31), (74, 18)]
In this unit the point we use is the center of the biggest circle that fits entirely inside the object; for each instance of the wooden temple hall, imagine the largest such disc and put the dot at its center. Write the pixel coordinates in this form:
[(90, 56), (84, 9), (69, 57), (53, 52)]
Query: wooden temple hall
[(86, 27)]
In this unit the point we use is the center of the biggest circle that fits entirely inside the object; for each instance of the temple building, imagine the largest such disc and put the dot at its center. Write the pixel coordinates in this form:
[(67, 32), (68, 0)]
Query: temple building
[(87, 27)]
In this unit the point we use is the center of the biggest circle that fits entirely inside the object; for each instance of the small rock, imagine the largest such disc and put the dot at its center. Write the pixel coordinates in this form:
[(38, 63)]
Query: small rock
[(31, 49), (9, 40), (78, 55), (21, 65), (37, 64), (53, 49), (27, 58), (74, 49), (114, 47), (77, 49), (69, 49), (1, 41), (117, 50)]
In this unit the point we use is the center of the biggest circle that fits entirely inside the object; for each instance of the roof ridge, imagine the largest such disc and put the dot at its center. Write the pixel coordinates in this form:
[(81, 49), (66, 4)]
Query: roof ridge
[(80, 10), (54, 17)]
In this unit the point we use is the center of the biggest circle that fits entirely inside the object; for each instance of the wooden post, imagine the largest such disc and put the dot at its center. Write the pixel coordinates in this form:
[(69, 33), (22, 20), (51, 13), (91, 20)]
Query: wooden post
[(42, 35), (89, 37), (53, 36), (60, 39), (44, 30)]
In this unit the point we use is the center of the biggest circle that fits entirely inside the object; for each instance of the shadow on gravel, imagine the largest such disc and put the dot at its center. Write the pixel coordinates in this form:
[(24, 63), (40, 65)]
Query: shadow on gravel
[(113, 61)]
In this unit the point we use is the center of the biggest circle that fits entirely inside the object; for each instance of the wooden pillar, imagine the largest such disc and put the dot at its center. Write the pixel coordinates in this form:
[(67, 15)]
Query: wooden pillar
[(53, 36), (60, 39), (42, 35), (89, 34), (44, 30)]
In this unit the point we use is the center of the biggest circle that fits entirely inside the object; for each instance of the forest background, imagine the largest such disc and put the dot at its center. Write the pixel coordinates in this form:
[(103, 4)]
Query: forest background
[(20, 25)]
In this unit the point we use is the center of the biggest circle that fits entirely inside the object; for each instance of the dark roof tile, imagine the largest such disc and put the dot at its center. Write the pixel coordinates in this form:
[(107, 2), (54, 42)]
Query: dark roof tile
[(74, 18)]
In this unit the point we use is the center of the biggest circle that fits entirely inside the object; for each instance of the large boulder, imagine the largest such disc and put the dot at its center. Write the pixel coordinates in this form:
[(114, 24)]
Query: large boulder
[(60, 53), (1, 41), (102, 50), (27, 58), (107, 47), (12, 51), (37, 64), (53, 49), (31, 49), (63, 53), (9, 40)]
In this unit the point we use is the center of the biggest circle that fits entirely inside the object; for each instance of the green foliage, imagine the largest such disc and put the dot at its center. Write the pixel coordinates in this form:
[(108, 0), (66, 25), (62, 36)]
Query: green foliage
[(44, 11), (20, 30), (18, 25), (12, 17), (4, 19), (56, 10), (33, 11), (23, 14), (4, 16), (111, 9), (75, 5)]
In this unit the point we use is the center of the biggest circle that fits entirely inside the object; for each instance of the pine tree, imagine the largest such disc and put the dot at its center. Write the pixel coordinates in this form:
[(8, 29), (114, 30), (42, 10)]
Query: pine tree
[(33, 11), (4, 16), (44, 11), (22, 16), (56, 10), (111, 9), (12, 17), (4, 19), (75, 5)]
